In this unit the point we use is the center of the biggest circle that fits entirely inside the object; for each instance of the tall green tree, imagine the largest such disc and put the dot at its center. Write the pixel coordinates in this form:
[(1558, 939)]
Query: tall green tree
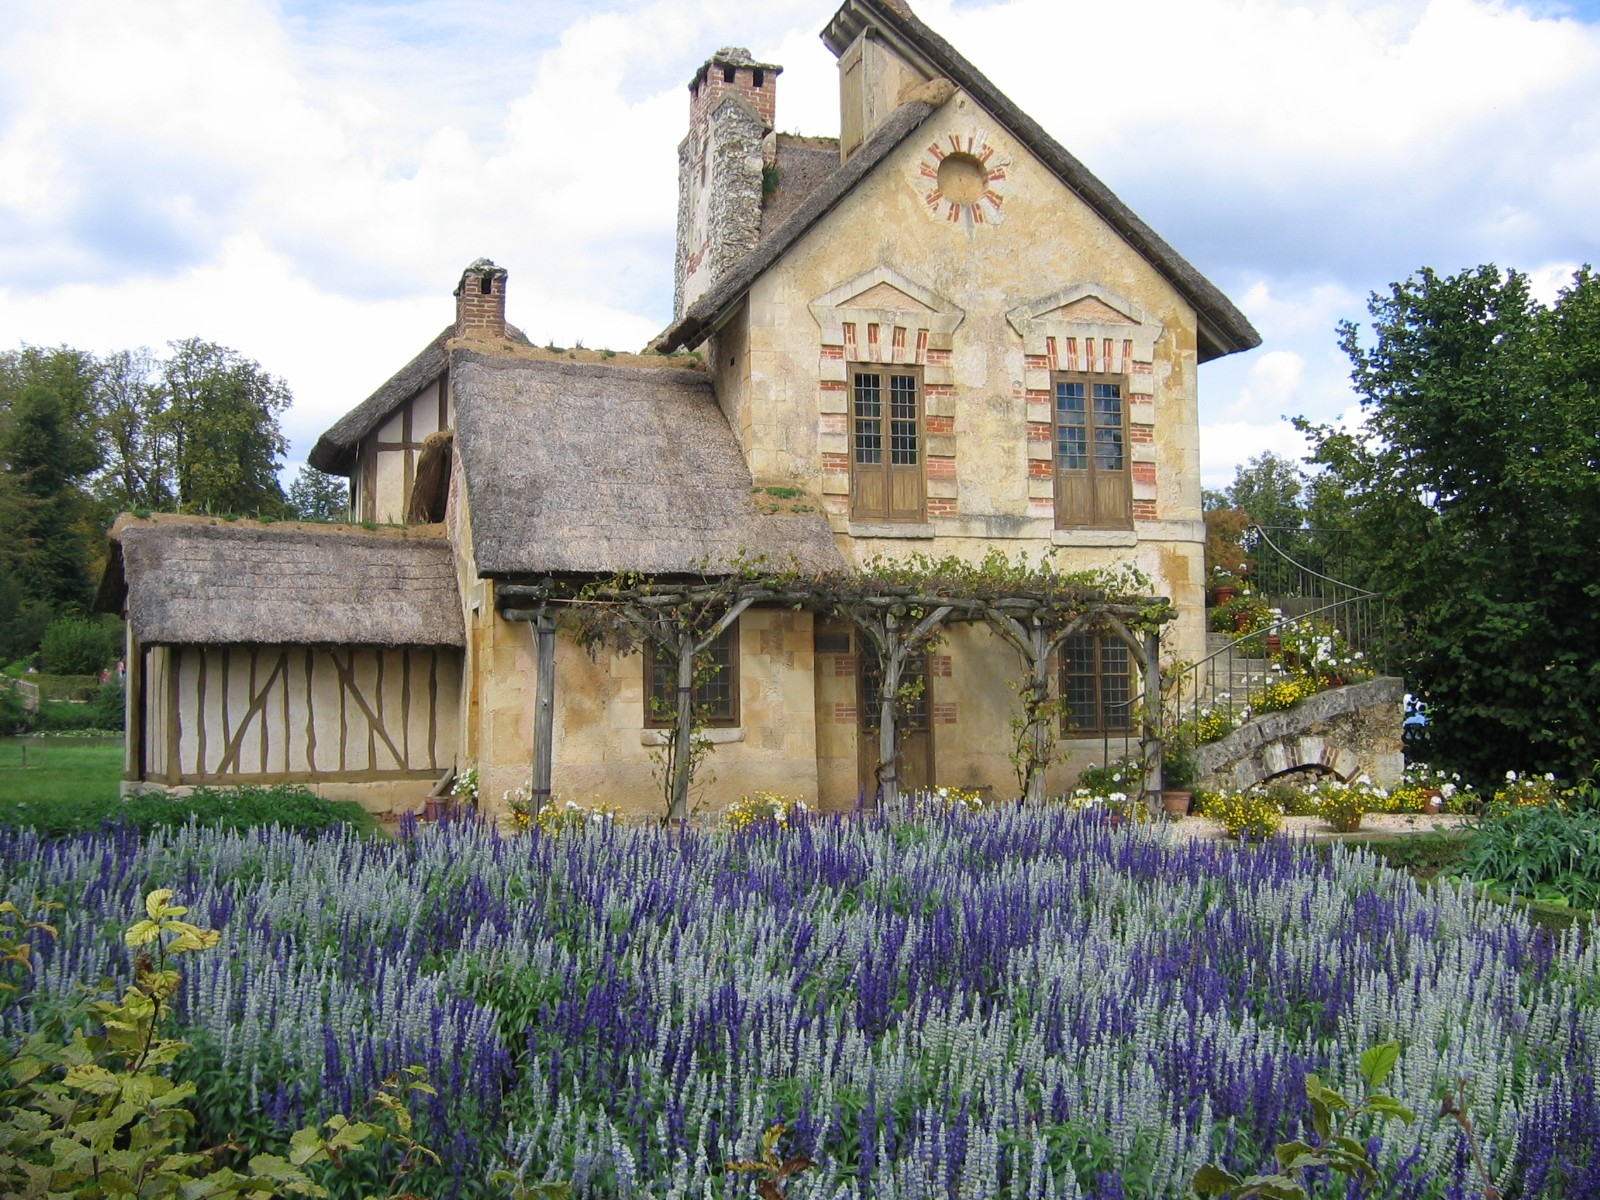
[(1472, 488), (221, 416), (317, 496), (46, 454)]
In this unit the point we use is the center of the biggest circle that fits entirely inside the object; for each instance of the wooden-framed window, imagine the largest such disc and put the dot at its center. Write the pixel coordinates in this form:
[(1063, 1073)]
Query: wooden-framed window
[(886, 446), (1096, 685), (716, 695), (1093, 481)]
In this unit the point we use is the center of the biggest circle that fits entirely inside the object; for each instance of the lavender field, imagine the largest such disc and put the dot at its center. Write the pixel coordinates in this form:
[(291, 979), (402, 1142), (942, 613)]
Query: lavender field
[(1018, 1004)]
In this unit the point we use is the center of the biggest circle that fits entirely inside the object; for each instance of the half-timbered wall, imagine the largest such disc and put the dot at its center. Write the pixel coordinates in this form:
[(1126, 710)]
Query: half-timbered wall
[(386, 464), (262, 714)]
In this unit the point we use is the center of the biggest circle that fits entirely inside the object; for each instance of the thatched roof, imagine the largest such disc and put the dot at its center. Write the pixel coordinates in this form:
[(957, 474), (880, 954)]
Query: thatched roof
[(1223, 329), (590, 468), (198, 580), (335, 451), (804, 164)]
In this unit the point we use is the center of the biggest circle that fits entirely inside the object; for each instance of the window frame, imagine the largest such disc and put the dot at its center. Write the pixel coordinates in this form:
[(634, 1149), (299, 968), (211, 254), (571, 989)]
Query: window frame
[(885, 373), (1093, 472), (1065, 675), (653, 660)]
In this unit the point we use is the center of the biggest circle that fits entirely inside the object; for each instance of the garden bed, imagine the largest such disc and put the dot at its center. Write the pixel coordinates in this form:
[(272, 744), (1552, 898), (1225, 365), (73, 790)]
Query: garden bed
[(1020, 1003)]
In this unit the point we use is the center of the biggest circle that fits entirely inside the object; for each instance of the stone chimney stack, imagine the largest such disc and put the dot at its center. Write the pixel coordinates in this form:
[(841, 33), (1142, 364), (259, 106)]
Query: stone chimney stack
[(733, 104), (481, 302)]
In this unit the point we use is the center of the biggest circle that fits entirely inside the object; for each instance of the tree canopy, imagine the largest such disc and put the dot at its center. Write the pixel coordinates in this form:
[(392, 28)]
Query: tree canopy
[(1472, 491), (83, 438)]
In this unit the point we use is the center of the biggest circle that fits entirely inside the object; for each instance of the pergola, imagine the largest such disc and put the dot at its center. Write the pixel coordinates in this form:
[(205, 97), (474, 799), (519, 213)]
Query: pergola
[(900, 608)]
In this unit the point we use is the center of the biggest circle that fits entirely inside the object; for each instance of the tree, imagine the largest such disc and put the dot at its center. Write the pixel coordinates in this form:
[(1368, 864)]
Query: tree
[(1473, 494), (1268, 488), (317, 496), (46, 453), (221, 415), (131, 404)]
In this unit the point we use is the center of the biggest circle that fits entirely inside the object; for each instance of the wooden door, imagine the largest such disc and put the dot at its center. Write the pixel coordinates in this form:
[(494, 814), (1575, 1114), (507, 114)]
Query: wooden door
[(886, 467), (1091, 456), (916, 730)]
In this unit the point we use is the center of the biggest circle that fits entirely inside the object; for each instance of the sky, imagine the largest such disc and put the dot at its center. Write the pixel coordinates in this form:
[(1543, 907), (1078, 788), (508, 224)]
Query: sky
[(304, 180)]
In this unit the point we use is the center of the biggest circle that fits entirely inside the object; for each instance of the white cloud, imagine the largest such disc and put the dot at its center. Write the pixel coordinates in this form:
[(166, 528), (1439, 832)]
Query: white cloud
[(1224, 445), (304, 182), (1274, 385)]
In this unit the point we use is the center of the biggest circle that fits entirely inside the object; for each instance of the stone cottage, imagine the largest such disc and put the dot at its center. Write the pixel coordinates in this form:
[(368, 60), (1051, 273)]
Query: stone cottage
[(937, 333)]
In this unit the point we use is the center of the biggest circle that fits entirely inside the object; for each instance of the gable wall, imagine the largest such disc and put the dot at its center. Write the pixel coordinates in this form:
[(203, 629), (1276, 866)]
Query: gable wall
[(981, 486), (386, 462)]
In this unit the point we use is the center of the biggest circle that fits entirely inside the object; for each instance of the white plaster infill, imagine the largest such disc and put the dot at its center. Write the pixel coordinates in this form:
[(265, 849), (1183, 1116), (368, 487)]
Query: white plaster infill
[(1094, 537), (720, 735)]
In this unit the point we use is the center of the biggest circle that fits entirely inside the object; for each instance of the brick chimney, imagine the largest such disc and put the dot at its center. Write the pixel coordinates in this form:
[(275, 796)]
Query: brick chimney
[(733, 104), (481, 301)]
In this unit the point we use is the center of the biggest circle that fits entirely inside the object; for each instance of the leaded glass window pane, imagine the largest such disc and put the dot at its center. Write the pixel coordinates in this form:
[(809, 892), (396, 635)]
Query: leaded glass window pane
[(868, 419), (1072, 437), (903, 420)]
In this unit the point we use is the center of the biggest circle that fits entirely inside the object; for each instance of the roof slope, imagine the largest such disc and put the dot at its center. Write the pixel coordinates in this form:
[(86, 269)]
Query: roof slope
[(804, 164), (194, 580), (590, 468), (1223, 329), (335, 450)]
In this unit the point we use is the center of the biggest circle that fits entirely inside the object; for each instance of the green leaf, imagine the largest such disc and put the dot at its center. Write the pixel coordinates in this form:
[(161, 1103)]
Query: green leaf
[(1275, 1187), (1390, 1109), (1378, 1061), (1212, 1180), (1288, 1152), (141, 933)]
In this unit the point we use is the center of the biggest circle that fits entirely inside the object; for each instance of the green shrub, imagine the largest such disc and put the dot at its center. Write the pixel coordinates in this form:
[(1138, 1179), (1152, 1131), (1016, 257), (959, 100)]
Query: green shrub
[(55, 716), (73, 646), (108, 708), (1541, 853), (215, 808)]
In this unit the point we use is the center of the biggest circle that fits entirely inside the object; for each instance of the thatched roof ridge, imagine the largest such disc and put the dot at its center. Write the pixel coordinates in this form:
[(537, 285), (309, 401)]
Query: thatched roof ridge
[(335, 451), (199, 580), (590, 468), (1223, 329)]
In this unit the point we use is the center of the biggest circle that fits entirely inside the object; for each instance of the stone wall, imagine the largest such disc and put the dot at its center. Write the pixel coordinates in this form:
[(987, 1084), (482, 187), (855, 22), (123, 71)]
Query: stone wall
[(1349, 732)]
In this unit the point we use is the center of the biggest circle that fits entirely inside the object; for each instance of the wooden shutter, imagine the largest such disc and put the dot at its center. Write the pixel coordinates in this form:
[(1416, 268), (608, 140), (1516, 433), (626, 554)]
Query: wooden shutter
[(886, 447)]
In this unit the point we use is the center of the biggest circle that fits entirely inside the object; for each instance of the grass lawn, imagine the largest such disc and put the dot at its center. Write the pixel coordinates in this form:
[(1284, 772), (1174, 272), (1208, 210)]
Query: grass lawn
[(58, 772)]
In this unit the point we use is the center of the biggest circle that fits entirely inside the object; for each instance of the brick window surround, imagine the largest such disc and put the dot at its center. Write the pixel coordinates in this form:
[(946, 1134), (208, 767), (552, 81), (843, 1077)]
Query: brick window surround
[(884, 318), (1087, 332)]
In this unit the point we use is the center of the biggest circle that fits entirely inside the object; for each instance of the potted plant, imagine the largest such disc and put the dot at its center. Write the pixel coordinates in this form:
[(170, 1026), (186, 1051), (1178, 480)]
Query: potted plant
[(1177, 774)]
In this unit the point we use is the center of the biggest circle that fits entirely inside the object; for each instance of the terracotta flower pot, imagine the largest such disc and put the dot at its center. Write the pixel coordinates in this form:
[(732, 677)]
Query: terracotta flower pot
[(1347, 825), (1223, 593), (1177, 804), (1241, 621), (1274, 643)]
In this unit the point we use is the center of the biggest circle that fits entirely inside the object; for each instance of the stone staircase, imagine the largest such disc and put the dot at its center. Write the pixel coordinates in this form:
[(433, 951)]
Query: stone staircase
[(1235, 674)]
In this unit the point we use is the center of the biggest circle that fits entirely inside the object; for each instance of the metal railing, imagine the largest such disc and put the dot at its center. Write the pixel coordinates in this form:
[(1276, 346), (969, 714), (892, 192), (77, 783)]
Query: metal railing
[(1311, 606)]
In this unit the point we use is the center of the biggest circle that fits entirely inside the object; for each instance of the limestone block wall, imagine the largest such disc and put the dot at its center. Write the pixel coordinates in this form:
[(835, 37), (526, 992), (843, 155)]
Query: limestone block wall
[(1348, 731), (986, 299), (603, 748)]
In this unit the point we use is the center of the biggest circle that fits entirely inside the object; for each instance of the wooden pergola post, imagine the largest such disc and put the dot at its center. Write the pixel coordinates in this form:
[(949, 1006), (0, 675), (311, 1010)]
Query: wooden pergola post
[(544, 715)]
